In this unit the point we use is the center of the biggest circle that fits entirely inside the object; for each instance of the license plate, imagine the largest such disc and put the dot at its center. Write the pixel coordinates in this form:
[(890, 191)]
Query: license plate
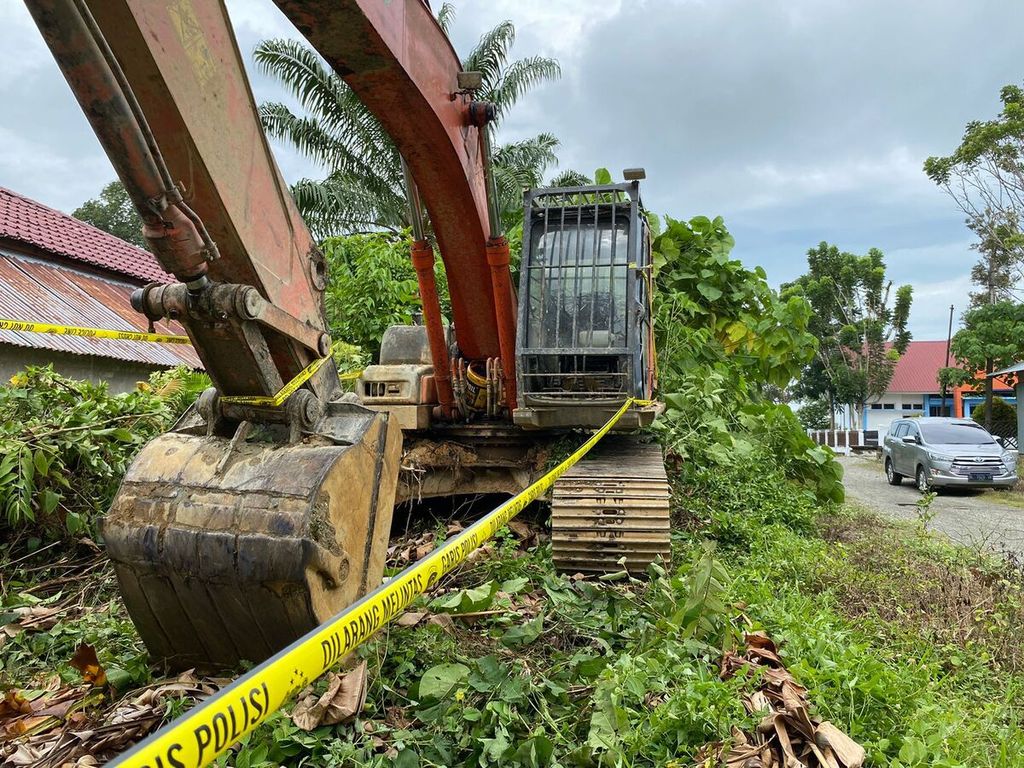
[(980, 477)]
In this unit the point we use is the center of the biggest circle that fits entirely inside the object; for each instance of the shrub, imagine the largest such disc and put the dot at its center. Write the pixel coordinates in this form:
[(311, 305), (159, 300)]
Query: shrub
[(65, 445), (724, 335), (1004, 417), (177, 387), (815, 415), (372, 287)]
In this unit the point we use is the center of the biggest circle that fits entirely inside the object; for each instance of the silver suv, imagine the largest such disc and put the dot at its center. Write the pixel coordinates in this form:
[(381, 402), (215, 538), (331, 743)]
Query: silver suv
[(940, 452)]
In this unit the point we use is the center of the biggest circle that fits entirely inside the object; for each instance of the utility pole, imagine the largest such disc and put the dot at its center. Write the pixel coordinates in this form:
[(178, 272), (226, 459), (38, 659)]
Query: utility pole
[(949, 339)]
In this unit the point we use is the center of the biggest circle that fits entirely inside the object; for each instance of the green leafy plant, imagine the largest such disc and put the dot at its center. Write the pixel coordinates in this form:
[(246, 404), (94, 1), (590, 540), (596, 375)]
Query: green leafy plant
[(178, 387), (925, 513), (372, 287), (64, 446), (724, 336)]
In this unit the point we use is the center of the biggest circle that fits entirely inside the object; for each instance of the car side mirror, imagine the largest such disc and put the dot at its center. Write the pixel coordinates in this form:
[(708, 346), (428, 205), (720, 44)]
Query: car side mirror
[(1000, 441), (909, 439)]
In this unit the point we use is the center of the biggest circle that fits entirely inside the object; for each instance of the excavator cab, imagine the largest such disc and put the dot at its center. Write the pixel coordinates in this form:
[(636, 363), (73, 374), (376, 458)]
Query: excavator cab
[(585, 341)]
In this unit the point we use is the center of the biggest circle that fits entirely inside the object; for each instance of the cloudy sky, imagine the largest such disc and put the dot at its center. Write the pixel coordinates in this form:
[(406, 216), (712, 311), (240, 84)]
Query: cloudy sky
[(797, 121)]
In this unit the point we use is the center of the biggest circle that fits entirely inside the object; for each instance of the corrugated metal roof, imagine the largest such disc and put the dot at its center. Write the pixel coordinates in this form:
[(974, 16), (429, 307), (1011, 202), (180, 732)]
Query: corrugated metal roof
[(26, 221), (37, 291), (1016, 368)]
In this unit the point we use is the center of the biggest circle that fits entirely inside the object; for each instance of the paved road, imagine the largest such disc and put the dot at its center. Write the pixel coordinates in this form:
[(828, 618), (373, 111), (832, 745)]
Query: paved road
[(968, 517)]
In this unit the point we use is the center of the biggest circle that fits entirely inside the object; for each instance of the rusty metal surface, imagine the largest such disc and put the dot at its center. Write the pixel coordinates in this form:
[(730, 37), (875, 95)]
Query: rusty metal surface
[(229, 550), (611, 511), (181, 62), (402, 66), (33, 290)]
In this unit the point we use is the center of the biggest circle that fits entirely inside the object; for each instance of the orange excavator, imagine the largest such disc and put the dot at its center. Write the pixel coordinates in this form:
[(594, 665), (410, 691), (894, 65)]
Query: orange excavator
[(267, 508)]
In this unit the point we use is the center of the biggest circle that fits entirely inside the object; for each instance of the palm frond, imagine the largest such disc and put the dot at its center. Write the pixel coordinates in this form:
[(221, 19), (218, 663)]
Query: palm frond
[(518, 78), (364, 189), (445, 16), (490, 54), (570, 178)]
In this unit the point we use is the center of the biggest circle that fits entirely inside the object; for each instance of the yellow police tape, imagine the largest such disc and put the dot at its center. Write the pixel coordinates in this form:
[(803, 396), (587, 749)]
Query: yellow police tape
[(94, 333), (288, 389), (210, 728)]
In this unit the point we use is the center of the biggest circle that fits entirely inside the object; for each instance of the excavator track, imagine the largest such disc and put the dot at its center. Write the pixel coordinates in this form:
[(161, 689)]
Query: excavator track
[(610, 512)]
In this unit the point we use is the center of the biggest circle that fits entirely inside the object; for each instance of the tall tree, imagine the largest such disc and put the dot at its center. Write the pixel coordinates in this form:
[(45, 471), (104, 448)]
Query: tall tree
[(992, 337), (364, 189), (998, 271), (859, 319), (996, 275), (113, 212), (985, 174)]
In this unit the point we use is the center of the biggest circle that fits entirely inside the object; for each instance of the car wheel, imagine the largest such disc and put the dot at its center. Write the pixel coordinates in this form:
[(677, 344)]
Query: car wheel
[(923, 483), (894, 477)]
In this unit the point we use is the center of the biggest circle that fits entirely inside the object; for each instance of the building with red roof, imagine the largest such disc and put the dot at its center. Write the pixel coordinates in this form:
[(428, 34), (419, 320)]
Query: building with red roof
[(915, 390), (56, 269)]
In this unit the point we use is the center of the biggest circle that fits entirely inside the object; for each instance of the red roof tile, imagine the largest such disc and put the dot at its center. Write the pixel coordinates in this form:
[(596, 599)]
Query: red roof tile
[(918, 368), (26, 221)]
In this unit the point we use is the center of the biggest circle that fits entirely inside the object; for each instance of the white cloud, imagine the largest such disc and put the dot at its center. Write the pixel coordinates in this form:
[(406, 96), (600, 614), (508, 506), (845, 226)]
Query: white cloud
[(20, 47), (895, 172), (557, 27), (929, 313), (261, 19), (59, 180)]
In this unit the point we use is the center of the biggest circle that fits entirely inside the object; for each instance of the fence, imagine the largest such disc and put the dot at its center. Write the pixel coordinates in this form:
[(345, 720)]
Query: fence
[(847, 440)]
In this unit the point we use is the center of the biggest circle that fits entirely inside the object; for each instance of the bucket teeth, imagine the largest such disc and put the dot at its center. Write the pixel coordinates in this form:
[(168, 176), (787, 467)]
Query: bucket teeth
[(222, 561), (610, 512)]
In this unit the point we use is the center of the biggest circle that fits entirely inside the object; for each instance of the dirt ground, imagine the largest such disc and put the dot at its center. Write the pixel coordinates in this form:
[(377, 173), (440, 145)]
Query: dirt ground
[(971, 517)]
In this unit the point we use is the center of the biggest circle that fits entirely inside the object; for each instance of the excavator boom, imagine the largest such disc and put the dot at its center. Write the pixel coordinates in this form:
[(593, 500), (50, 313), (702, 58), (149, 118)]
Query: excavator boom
[(402, 66)]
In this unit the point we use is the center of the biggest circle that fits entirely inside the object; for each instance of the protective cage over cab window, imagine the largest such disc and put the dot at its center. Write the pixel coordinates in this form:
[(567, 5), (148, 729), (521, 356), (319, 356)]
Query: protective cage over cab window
[(584, 307)]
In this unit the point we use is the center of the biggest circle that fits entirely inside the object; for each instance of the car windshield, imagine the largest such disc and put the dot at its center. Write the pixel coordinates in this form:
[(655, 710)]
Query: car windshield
[(956, 434)]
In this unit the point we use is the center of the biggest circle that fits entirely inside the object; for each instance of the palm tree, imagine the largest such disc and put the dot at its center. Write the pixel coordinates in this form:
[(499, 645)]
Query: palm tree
[(364, 189)]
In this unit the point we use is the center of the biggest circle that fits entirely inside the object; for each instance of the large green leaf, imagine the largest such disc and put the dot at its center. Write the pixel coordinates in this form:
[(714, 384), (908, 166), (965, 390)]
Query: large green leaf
[(438, 681)]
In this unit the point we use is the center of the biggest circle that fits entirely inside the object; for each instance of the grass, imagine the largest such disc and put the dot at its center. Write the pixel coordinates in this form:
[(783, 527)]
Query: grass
[(905, 640)]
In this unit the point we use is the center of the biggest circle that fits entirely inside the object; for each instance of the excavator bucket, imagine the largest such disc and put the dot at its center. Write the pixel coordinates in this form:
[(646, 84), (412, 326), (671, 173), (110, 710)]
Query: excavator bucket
[(228, 550)]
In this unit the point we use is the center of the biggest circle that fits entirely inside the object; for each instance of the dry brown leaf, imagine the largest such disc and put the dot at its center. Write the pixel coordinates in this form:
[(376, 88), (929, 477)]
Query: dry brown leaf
[(340, 703), (783, 735), (825, 756), (442, 620), (25, 755), (348, 701), (756, 702), (308, 712), (527, 536), (85, 661), (849, 753), (14, 704), (410, 619), (36, 617)]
